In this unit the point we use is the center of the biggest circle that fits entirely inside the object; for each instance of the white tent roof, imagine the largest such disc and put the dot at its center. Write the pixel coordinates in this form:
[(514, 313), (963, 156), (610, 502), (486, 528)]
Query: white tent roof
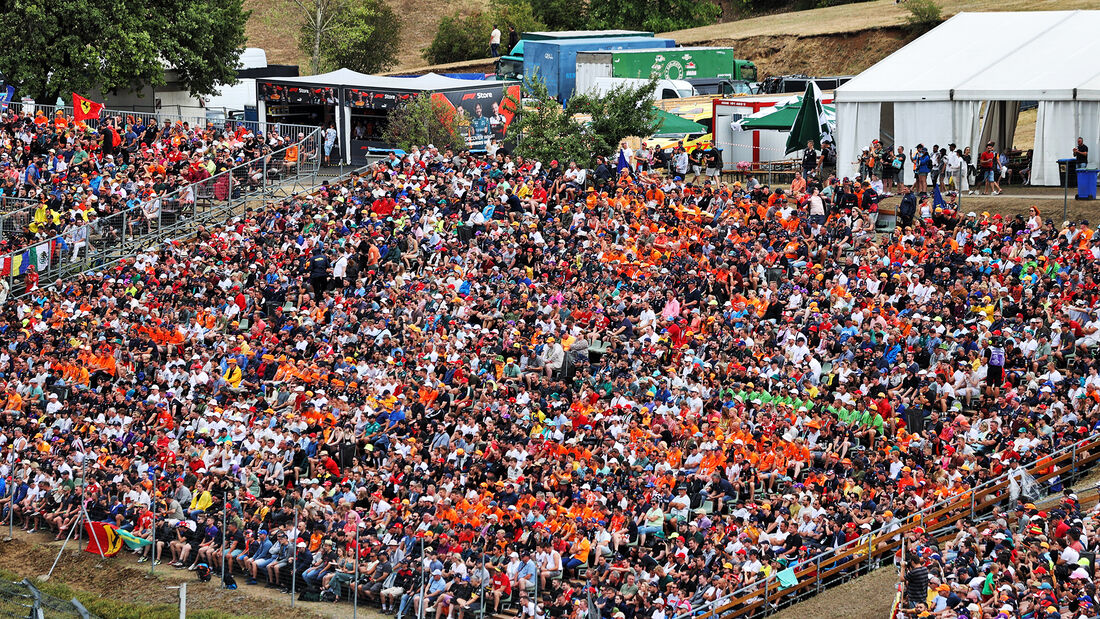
[(1010, 56), (354, 79)]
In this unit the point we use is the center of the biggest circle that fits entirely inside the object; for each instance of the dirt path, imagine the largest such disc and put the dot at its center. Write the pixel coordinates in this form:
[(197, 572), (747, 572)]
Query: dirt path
[(123, 578), (867, 597)]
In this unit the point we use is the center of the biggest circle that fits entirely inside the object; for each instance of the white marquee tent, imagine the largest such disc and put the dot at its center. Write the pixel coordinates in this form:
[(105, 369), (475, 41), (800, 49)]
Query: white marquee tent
[(938, 89)]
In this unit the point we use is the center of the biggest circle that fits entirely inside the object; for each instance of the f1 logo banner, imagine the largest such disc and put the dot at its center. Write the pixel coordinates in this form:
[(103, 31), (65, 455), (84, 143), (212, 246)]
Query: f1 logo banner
[(484, 113)]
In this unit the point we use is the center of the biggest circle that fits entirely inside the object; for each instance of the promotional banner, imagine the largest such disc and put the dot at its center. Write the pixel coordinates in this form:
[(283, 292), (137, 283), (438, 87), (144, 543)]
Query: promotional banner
[(296, 95), (483, 113), (375, 99)]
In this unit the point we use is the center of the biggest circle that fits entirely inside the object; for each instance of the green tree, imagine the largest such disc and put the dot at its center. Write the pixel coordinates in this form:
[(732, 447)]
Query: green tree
[(60, 46), (424, 120), (465, 36), (548, 132), (653, 15), (320, 18), (363, 36), (623, 111)]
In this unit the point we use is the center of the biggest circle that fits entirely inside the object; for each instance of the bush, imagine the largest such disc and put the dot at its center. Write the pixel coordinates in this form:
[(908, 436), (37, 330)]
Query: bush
[(562, 14), (923, 14), (652, 15), (424, 120), (458, 38), (622, 112), (465, 36)]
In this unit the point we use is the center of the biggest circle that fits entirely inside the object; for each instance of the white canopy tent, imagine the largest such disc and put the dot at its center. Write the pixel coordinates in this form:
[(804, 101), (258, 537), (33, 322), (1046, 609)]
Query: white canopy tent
[(934, 90), (354, 79)]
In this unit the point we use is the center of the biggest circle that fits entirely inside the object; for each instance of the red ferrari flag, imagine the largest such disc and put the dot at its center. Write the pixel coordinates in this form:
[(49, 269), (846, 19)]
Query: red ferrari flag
[(84, 109)]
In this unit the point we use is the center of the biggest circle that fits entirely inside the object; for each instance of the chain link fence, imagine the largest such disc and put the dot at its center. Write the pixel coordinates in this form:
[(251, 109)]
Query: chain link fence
[(22, 600)]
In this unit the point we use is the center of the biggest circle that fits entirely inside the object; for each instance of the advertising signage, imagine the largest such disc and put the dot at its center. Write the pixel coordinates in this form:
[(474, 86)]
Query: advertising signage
[(483, 113), (296, 95), (375, 99)]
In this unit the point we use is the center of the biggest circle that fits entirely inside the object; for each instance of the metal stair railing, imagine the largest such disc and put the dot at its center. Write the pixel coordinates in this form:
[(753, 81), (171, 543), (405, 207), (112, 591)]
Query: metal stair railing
[(163, 218), (863, 554)]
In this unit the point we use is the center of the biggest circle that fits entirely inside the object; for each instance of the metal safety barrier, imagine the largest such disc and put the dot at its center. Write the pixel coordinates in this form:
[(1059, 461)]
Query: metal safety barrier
[(162, 218), (866, 553), (216, 120)]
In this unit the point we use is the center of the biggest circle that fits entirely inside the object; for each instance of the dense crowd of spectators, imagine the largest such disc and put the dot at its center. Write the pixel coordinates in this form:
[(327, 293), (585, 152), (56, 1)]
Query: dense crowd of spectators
[(66, 175), (500, 387), (1037, 562)]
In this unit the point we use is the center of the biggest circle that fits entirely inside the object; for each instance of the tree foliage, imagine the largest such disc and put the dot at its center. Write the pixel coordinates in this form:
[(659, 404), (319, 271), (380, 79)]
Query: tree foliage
[(59, 46), (548, 132), (465, 36), (622, 112), (424, 120), (561, 14), (652, 15), (363, 36)]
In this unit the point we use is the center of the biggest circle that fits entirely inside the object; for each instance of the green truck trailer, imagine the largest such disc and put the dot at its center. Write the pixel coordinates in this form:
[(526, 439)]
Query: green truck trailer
[(510, 65), (680, 63)]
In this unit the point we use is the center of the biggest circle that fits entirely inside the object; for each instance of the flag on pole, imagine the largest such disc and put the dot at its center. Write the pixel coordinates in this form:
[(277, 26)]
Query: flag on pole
[(622, 163), (937, 197), (7, 96), (810, 123), (84, 109), (102, 539), (42, 256)]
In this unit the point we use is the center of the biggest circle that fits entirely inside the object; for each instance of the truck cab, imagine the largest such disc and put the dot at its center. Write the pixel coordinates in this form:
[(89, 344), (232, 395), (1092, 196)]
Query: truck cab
[(745, 70)]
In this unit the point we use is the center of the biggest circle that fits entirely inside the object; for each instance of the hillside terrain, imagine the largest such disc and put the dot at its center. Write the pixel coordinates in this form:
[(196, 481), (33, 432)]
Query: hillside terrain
[(274, 27), (833, 40)]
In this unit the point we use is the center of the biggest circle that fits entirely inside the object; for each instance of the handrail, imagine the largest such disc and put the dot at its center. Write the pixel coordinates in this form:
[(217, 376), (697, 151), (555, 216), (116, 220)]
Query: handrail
[(865, 549), (126, 232), (1075, 464)]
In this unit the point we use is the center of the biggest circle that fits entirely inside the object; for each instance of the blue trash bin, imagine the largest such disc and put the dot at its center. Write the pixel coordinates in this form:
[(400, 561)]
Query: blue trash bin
[(1086, 184)]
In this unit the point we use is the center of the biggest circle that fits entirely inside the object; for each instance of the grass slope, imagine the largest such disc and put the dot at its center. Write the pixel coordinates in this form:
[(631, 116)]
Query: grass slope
[(855, 17), (274, 26)]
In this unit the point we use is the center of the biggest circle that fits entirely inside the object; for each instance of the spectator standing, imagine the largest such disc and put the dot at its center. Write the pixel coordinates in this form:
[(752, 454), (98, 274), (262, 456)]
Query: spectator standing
[(987, 167), (809, 160), (916, 580), (1081, 159), (643, 158), (330, 142), (714, 163), (513, 38), (827, 163), (922, 166), (494, 42)]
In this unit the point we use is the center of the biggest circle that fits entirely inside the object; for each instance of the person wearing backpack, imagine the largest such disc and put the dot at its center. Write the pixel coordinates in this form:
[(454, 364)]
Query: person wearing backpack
[(908, 207), (922, 165), (110, 139)]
